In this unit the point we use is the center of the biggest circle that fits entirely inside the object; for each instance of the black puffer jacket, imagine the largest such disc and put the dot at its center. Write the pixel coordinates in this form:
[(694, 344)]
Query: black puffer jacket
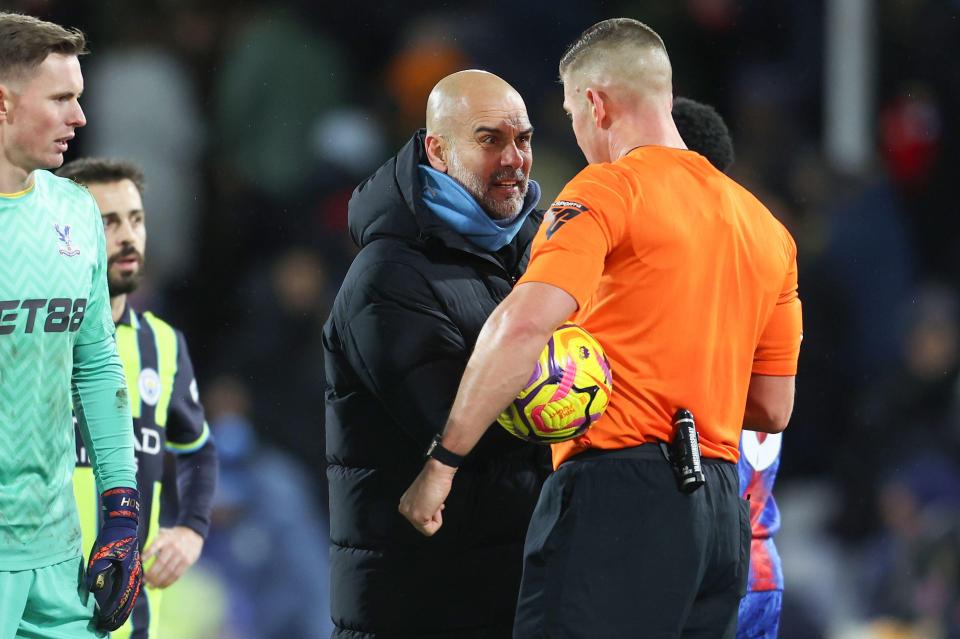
[(396, 344)]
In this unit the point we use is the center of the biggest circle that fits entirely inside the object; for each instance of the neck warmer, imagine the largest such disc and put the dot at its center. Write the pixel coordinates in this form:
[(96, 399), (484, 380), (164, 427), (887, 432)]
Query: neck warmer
[(451, 202)]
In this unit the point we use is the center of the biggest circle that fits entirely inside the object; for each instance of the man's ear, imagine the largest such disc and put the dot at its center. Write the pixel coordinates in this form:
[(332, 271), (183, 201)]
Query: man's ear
[(599, 107), (436, 151), (5, 101)]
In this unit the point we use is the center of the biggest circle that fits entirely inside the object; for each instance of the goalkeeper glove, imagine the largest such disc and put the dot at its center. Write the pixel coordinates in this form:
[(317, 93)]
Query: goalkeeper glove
[(115, 574)]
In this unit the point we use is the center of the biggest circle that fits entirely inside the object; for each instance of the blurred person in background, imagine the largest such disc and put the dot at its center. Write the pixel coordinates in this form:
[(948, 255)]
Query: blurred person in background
[(445, 227), (908, 404), (167, 414), (262, 141), (149, 112), (910, 568), (264, 114), (916, 399), (279, 324), (274, 590)]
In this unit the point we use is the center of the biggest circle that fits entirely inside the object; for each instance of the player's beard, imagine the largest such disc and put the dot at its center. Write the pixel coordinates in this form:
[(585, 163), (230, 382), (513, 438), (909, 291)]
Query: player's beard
[(123, 284), (479, 188)]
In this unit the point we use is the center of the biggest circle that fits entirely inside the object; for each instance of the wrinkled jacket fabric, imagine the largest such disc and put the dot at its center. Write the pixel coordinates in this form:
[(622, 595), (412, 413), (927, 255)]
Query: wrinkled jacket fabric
[(396, 344)]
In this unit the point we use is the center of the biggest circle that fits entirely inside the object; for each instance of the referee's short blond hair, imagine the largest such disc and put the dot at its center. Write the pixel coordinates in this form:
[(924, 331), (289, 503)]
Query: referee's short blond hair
[(623, 49)]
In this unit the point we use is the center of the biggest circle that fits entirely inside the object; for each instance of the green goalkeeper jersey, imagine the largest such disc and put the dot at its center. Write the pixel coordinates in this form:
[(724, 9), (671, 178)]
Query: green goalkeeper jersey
[(56, 351)]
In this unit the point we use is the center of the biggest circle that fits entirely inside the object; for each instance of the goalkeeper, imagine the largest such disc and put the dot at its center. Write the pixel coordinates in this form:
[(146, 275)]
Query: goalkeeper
[(167, 414), (56, 340)]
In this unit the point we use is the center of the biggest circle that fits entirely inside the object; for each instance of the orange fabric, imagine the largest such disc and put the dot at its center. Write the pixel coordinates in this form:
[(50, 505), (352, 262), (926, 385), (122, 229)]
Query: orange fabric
[(686, 280)]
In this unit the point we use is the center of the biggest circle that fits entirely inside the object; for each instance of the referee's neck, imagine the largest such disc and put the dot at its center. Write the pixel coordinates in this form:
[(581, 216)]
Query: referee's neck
[(644, 129)]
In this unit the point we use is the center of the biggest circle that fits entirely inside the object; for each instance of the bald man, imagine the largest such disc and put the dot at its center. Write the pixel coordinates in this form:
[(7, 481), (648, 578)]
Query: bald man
[(690, 284), (444, 230)]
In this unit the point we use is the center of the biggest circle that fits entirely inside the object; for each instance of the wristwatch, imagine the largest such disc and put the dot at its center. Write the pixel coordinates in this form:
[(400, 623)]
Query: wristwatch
[(442, 455)]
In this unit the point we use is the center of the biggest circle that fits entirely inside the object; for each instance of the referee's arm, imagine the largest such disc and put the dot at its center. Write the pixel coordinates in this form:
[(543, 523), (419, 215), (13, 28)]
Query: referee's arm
[(771, 391), (507, 349)]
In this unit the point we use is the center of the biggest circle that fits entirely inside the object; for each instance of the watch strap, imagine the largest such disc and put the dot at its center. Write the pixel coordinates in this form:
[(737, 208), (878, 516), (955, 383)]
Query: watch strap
[(443, 455)]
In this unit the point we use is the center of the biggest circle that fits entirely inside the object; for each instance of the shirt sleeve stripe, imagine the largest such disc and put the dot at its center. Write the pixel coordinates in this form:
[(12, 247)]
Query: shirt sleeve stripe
[(129, 351), (191, 447), (166, 340)]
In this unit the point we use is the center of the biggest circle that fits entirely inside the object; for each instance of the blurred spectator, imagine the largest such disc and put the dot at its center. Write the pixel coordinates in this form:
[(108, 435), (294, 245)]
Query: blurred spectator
[(275, 347), (147, 110), (268, 543), (917, 401), (906, 407), (911, 568), (278, 78), (910, 133), (430, 54), (350, 139), (871, 263), (912, 147)]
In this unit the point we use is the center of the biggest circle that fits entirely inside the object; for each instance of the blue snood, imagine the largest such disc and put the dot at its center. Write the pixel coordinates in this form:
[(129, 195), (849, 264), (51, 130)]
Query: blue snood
[(451, 202)]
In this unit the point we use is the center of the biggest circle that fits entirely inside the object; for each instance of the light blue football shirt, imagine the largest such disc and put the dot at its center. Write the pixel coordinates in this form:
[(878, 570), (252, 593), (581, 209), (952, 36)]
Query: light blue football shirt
[(54, 304)]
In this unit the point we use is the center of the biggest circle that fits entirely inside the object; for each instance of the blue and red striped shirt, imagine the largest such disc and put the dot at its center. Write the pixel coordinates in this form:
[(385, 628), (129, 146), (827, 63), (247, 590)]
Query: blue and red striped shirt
[(759, 461)]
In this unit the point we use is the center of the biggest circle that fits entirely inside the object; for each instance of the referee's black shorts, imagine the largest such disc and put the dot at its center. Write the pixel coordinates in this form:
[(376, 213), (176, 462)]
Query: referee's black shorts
[(616, 551)]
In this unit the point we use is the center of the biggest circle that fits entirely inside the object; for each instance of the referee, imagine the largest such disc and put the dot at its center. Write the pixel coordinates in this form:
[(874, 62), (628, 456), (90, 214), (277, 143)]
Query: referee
[(690, 284), (167, 414)]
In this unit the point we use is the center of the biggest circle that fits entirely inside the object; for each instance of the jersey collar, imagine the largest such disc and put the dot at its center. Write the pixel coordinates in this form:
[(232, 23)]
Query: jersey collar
[(129, 317)]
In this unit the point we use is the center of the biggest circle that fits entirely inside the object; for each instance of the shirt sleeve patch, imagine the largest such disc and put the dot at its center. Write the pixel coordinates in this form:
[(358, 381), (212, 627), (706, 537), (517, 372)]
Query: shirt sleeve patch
[(561, 212)]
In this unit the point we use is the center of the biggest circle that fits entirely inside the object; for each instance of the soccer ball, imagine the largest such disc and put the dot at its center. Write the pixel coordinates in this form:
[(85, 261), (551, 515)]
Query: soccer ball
[(569, 389)]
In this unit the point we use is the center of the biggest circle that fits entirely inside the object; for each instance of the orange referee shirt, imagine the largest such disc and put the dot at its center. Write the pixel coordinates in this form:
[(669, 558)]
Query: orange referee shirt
[(688, 282)]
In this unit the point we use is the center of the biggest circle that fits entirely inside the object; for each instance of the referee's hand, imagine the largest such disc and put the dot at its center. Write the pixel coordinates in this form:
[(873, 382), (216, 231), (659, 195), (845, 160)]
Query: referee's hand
[(422, 504)]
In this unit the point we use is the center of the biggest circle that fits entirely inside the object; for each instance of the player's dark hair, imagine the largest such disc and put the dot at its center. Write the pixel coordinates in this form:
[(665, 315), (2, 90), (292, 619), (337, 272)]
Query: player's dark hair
[(102, 171), (610, 33), (704, 131), (25, 42)]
